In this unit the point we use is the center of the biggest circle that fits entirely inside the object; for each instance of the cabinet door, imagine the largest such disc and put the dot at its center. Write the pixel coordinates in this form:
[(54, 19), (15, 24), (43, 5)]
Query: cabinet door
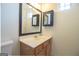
[(42, 53), (26, 50), (48, 50), (47, 46)]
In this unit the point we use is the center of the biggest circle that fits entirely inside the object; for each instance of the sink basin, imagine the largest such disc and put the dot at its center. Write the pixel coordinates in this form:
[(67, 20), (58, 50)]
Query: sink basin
[(37, 36)]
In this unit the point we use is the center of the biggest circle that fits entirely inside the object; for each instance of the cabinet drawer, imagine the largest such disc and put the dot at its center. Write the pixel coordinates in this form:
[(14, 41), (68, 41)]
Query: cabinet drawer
[(39, 48)]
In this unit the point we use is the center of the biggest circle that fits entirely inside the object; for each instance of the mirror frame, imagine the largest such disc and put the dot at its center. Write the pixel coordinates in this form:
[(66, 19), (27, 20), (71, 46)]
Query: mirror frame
[(20, 20), (51, 18)]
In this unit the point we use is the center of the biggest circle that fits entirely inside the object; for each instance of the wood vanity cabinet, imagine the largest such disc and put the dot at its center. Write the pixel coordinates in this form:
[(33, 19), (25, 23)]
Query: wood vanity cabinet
[(43, 49)]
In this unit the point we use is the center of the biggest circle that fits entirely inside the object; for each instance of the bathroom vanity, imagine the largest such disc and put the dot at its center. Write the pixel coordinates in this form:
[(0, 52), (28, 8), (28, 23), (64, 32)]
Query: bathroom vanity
[(36, 46)]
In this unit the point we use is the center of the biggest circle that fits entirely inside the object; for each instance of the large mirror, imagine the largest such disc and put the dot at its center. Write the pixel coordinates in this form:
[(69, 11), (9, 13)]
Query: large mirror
[(30, 19), (48, 18)]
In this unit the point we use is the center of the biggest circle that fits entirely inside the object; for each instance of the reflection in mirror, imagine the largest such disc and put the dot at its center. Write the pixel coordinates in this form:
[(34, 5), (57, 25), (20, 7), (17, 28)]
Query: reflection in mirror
[(35, 20), (48, 18), (30, 19)]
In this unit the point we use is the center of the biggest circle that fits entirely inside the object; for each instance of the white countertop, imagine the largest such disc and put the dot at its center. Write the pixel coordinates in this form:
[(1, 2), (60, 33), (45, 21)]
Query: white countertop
[(34, 42)]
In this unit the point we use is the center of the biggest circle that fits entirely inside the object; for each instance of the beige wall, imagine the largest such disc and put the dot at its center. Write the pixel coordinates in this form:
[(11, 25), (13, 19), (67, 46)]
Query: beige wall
[(48, 6), (65, 31)]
